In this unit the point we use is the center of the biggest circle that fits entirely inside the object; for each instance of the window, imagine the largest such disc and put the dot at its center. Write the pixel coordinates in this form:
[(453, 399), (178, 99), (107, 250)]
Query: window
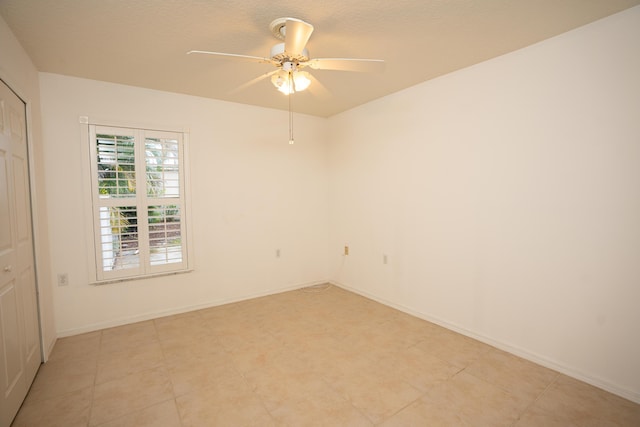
[(138, 202)]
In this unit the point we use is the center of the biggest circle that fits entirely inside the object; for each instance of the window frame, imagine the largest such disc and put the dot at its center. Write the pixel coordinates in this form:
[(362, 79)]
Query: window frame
[(141, 200)]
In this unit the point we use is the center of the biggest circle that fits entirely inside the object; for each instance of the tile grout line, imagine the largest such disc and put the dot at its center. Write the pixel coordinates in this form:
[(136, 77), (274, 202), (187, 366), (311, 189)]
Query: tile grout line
[(164, 362), (120, 377), (533, 402), (95, 378)]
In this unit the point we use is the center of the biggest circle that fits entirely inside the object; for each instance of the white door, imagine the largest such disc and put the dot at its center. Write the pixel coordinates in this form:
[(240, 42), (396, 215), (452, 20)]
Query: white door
[(19, 327)]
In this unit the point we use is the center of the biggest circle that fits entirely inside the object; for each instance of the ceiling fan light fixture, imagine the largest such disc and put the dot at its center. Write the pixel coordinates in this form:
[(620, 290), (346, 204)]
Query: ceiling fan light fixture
[(281, 81), (301, 80), (285, 89), (291, 81)]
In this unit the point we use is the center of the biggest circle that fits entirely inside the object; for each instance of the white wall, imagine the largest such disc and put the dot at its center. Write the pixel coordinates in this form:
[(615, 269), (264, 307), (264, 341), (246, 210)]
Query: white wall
[(252, 193), (17, 70), (507, 198)]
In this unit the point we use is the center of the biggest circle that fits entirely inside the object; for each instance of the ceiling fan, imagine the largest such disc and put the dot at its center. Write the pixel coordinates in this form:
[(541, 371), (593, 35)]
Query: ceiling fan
[(292, 56)]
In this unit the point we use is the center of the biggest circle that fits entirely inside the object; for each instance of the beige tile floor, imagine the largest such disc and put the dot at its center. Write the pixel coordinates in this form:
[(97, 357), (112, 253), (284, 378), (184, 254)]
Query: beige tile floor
[(300, 358)]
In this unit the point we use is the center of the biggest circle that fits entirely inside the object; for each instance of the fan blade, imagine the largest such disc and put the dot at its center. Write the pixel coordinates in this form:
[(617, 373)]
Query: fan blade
[(346, 64), (316, 88), (254, 81), (296, 36), (236, 56)]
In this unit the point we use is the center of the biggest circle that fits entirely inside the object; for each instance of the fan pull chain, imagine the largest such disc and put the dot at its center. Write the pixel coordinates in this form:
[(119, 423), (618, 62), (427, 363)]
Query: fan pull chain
[(291, 141)]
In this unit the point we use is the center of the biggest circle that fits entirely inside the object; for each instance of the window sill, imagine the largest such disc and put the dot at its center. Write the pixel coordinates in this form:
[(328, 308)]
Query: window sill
[(133, 278)]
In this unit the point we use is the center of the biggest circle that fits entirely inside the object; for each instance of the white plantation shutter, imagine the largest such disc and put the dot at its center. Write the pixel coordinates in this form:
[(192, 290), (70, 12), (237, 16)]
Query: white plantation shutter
[(115, 157), (162, 155), (165, 230), (119, 243), (138, 202)]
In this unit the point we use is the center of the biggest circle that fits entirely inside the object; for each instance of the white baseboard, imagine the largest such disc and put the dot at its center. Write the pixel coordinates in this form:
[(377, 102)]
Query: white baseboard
[(515, 350), (525, 354), (178, 310)]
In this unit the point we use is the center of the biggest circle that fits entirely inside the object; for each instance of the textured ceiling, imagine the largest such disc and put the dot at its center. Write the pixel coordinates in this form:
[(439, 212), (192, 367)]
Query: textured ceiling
[(144, 42)]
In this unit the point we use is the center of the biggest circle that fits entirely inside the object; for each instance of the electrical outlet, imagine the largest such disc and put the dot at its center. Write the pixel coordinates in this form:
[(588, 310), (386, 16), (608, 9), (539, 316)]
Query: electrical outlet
[(63, 279)]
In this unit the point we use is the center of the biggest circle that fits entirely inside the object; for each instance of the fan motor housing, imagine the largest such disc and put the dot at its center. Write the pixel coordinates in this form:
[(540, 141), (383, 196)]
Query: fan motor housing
[(278, 27), (278, 54)]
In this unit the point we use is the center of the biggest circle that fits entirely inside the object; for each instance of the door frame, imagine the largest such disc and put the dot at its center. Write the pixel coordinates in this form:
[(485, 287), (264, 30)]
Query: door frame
[(45, 348)]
